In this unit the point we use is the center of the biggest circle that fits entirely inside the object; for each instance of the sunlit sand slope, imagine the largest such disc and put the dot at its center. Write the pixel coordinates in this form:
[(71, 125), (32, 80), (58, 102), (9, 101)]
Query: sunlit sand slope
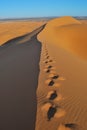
[(62, 88), (67, 32)]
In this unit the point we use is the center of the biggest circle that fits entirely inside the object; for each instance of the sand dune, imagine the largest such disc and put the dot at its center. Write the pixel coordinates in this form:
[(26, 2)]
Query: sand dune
[(62, 84), (9, 30), (68, 33), (62, 100), (19, 70)]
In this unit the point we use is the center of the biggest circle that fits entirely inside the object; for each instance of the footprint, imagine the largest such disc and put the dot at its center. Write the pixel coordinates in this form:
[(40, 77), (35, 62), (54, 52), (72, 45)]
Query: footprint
[(47, 70), (51, 83), (46, 62), (52, 95), (47, 57), (51, 112), (54, 76), (50, 61), (49, 66), (70, 126), (45, 108)]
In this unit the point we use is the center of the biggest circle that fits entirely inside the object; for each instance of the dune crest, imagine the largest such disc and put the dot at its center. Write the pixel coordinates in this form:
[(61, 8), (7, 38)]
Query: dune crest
[(10, 30), (68, 33)]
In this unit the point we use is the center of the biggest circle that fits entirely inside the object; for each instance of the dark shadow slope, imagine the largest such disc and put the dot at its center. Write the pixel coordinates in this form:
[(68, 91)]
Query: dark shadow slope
[(19, 70)]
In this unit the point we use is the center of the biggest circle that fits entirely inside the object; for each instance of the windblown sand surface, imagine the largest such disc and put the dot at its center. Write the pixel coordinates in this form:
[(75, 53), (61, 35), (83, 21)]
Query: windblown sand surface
[(9, 30), (68, 33), (62, 84), (62, 89)]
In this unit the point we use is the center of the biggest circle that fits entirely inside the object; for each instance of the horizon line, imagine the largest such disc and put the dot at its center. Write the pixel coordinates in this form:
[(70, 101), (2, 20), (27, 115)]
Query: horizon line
[(43, 17)]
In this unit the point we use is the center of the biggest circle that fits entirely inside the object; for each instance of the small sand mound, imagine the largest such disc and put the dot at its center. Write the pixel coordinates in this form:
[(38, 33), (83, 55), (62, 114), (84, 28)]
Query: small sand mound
[(60, 113), (46, 106)]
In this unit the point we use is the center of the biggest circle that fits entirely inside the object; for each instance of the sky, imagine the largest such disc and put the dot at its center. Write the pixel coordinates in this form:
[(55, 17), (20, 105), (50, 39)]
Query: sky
[(42, 8)]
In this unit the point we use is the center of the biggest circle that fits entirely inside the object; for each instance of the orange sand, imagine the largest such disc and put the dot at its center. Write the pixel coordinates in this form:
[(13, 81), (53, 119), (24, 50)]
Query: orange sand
[(83, 21), (64, 44), (9, 30), (68, 33)]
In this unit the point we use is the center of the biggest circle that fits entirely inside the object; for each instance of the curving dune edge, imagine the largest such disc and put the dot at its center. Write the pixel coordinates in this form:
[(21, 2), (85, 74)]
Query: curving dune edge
[(62, 84)]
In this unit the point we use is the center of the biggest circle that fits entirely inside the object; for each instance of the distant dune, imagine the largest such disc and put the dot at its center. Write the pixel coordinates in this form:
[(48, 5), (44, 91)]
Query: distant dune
[(84, 21), (67, 32), (13, 29)]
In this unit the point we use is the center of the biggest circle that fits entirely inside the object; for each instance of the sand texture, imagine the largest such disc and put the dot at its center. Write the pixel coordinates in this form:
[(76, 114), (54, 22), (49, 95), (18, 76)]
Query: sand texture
[(43, 75), (68, 33), (62, 88), (9, 30)]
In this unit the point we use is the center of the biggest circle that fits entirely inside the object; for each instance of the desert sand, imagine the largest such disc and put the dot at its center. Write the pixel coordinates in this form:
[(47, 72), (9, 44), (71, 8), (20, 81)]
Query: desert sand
[(68, 33), (43, 80), (13, 29), (62, 87), (83, 21), (19, 70)]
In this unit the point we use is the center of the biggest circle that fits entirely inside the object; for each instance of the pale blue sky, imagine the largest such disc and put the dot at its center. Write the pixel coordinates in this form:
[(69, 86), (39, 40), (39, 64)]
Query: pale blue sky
[(42, 8)]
